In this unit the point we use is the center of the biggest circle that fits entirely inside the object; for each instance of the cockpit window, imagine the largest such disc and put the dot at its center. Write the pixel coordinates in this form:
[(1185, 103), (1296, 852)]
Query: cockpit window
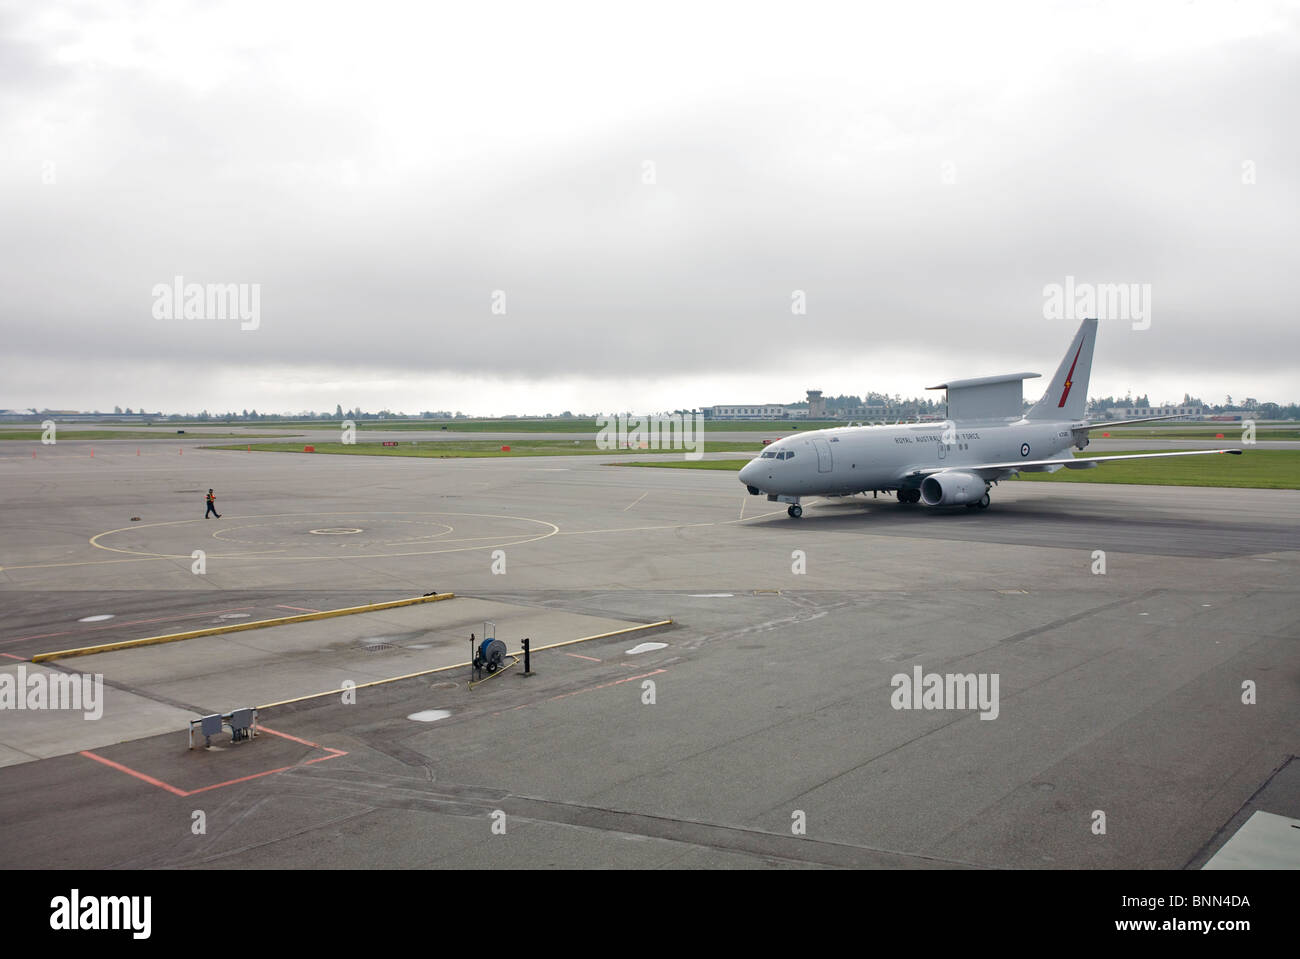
[(787, 455), (768, 454)]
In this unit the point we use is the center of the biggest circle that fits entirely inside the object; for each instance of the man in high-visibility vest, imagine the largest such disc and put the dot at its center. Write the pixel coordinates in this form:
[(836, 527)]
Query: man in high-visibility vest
[(212, 506)]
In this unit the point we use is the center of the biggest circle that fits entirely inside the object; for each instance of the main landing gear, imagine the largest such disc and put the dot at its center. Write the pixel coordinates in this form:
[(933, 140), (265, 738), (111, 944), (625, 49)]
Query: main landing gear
[(909, 496), (795, 511), (981, 503)]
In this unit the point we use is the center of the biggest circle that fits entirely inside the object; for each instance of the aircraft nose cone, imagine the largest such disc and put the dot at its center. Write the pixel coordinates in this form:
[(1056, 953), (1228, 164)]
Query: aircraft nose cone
[(748, 472)]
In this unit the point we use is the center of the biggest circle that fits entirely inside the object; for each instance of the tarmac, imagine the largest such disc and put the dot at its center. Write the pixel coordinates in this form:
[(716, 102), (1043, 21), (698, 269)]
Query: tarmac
[(1144, 640)]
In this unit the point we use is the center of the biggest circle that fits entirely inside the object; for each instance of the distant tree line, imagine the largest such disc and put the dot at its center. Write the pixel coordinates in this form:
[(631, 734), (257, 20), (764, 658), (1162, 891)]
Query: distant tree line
[(845, 406)]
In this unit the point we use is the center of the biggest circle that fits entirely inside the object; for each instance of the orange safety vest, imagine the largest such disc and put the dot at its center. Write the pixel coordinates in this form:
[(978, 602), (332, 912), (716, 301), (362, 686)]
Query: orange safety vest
[(211, 497)]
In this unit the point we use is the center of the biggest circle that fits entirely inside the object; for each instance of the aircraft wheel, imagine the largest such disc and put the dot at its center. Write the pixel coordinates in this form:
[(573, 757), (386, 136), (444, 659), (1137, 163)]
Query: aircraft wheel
[(795, 511), (983, 501)]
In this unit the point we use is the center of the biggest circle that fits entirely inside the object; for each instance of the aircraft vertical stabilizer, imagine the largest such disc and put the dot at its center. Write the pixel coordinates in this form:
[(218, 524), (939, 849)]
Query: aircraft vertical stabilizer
[(1067, 394)]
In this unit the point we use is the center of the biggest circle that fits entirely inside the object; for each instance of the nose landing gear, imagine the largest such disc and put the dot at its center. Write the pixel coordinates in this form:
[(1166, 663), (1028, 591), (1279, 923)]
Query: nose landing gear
[(795, 511)]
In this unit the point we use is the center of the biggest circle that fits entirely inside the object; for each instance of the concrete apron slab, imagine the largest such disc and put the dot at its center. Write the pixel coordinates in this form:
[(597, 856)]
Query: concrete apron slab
[(220, 673), (62, 725)]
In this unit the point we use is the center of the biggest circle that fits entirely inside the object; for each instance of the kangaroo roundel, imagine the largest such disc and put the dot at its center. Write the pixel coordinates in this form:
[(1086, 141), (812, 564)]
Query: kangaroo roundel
[(1024, 449)]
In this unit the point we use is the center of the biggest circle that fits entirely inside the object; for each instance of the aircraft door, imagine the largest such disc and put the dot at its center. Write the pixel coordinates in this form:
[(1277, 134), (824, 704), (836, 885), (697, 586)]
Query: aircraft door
[(823, 454)]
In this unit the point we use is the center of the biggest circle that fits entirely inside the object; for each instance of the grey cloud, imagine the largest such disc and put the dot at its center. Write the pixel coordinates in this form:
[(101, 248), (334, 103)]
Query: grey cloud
[(1126, 173)]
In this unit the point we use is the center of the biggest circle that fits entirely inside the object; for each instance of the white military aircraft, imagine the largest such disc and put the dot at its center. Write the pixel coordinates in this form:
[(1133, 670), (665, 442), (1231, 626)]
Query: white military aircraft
[(986, 438)]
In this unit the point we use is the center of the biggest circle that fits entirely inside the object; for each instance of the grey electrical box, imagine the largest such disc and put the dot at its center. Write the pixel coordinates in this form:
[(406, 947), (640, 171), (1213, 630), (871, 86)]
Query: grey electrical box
[(240, 721)]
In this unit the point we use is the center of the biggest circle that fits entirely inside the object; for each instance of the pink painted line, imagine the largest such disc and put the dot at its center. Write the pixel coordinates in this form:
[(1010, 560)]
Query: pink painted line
[(241, 779), (132, 622), (580, 656), (12, 656), (334, 754), (305, 742), (166, 619), (577, 692), (38, 636)]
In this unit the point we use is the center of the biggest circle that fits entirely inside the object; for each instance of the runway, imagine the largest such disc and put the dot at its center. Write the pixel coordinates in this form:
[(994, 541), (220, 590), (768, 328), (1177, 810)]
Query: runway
[(1120, 691)]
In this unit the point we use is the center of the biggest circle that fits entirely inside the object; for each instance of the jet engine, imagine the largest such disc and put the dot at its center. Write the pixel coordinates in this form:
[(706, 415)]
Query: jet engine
[(952, 488)]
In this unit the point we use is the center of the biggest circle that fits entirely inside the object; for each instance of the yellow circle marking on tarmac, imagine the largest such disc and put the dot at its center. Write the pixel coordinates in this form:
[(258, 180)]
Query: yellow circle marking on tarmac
[(150, 557), (224, 534), (94, 540)]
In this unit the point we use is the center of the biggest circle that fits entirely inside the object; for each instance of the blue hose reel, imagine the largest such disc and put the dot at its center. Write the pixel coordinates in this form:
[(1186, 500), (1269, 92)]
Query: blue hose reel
[(491, 655)]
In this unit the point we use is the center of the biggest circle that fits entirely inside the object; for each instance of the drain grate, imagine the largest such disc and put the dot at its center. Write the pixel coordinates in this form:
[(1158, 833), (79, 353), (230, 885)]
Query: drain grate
[(377, 647)]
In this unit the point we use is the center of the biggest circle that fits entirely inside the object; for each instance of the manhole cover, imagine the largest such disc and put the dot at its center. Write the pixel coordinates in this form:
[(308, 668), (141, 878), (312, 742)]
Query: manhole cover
[(376, 647)]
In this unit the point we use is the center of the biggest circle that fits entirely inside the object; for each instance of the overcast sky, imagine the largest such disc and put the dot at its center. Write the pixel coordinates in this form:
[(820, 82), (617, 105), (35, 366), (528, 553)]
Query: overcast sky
[(648, 185)]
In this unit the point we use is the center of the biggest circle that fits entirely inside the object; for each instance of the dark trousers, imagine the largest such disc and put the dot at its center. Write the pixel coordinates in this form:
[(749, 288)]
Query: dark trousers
[(212, 508)]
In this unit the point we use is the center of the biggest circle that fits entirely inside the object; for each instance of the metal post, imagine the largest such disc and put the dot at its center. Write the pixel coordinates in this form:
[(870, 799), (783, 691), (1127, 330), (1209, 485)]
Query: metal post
[(528, 669)]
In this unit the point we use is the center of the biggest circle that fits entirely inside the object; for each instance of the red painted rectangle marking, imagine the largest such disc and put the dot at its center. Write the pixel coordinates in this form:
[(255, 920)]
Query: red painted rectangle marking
[(332, 754)]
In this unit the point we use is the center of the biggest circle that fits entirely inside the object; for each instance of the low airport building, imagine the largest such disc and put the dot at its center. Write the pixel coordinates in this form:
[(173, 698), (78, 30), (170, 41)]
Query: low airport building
[(749, 411), (1138, 412)]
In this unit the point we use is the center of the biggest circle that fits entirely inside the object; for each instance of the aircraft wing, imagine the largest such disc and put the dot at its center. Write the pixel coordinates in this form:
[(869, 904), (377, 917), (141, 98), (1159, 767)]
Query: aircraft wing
[(993, 470)]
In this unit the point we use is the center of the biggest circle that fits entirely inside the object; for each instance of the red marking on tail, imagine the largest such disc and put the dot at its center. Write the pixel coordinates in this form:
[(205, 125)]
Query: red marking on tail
[(1069, 377)]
